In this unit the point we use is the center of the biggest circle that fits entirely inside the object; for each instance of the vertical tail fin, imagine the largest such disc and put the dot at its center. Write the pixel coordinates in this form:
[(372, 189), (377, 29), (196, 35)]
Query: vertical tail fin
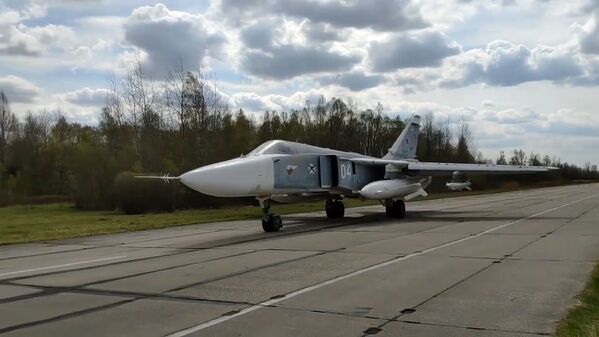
[(405, 145)]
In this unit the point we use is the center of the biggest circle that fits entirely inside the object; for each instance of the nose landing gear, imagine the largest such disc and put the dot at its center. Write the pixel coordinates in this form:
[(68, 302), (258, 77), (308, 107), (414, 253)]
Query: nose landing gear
[(270, 222), (395, 208), (334, 209)]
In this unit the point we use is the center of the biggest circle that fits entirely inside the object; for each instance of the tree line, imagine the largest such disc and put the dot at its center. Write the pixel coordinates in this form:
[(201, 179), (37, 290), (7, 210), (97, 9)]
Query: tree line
[(182, 122)]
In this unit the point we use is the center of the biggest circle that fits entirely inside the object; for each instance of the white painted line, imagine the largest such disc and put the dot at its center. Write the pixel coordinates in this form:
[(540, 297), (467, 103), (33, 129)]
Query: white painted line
[(61, 265), (270, 302)]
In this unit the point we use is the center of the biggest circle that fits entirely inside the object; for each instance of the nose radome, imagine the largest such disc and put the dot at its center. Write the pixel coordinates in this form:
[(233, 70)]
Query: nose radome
[(233, 178)]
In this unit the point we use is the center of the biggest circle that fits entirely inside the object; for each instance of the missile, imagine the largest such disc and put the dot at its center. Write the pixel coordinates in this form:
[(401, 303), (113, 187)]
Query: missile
[(459, 186), (394, 188)]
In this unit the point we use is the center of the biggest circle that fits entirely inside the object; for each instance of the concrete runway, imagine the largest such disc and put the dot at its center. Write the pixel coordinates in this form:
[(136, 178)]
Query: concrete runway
[(499, 265)]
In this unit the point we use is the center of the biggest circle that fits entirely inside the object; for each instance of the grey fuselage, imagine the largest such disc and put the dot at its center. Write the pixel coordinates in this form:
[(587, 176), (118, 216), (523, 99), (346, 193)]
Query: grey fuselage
[(284, 168)]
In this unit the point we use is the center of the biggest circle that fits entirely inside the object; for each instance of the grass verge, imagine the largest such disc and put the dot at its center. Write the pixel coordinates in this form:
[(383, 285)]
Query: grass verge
[(582, 319), (31, 223)]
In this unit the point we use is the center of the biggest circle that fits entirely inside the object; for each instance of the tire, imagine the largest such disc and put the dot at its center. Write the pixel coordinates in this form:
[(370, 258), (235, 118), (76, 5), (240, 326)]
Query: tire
[(400, 209), (272, 224), (340, 209), (334, 209), (396, 209)]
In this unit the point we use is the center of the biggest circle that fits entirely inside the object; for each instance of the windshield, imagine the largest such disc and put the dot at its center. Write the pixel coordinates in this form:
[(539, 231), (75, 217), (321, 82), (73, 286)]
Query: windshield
[(272, 147)]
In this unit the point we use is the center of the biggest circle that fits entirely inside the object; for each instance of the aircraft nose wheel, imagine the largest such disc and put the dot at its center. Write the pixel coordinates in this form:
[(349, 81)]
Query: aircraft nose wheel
[(270, 222), (334, 209), (395, 208)]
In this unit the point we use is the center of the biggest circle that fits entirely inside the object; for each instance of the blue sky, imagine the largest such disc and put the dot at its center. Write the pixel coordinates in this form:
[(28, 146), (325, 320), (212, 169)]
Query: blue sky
[(523, 73)]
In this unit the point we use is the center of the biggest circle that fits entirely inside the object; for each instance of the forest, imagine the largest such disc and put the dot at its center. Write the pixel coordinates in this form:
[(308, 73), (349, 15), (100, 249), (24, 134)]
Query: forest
[(183, 122)]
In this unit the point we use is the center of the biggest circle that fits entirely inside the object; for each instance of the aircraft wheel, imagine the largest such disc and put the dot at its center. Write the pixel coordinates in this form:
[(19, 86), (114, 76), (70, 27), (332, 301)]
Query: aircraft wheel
[(396, 208), (334, 209), (272, 224)]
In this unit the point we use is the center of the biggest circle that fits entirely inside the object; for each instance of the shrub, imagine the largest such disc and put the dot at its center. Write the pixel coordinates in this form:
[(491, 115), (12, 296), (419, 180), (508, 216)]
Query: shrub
[(135, 196)]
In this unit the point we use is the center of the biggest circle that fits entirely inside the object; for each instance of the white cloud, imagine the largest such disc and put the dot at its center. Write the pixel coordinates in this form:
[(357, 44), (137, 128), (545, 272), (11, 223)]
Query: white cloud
[(259, 35), (16, 38), (254, 103), (588, 36), (519, 71), (85, 97), (355, 80), (411, 50), (386, 15), (503, 63), (288, 61), (170, 37), (320, 33), (19, 90)]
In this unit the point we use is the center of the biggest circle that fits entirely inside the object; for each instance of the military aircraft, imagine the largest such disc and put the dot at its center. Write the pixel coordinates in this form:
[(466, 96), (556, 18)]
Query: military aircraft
[(285, 171)]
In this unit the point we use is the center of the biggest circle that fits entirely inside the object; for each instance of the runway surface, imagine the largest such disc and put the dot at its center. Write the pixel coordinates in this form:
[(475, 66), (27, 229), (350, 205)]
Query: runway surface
[(504, 264)]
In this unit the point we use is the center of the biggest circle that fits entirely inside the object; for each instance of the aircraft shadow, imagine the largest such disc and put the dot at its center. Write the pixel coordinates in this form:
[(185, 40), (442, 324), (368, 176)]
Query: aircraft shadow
[(296, 225)]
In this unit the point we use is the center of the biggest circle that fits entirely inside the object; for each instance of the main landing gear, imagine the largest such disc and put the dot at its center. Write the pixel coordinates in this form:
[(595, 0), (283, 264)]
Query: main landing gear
[(334, 209), (395, 208), (270, 222)]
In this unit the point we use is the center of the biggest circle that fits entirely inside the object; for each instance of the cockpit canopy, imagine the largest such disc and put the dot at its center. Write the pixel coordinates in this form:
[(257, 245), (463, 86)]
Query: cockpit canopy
[(287, 147)]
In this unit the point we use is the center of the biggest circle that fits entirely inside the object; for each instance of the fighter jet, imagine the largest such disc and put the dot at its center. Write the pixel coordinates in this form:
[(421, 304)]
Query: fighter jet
[(285, 171)]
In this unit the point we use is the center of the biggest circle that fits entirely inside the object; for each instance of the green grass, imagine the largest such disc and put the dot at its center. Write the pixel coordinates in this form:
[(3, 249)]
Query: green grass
[(582, 320), (31, 223), (19, 224)]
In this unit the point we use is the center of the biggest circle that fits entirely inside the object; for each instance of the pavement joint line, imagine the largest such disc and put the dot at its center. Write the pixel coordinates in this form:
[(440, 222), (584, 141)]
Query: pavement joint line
[(197, 249), (138, 295), (472, 328), (188, 250), (494, 261), (75, 314), (182, 252), (84, 247), (513, 258), (207, 231), (48, 289), (325, 252), (248, 271), (504, 258), (64, 316), (269, 302), (498, 195), (62, 265), (117, 263)]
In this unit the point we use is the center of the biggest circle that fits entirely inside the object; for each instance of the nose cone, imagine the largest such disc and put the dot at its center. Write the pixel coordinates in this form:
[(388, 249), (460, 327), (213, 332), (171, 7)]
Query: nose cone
[(234, 178)]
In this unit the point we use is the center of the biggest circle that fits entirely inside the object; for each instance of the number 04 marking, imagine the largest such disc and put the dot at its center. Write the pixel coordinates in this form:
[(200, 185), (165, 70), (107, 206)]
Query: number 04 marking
[(345, 171)]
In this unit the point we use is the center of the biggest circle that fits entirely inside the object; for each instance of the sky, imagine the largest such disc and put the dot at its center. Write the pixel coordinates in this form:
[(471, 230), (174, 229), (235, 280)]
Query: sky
[(522, 73)]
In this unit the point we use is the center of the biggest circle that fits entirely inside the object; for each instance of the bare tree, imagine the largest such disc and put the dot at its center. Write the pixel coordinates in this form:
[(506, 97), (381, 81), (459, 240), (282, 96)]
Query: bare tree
[(534, 159), (7, 123), (501, 159), (114, 104), (546, 160), (176, 98), (518, 157), (464, 142), (139, 103)]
